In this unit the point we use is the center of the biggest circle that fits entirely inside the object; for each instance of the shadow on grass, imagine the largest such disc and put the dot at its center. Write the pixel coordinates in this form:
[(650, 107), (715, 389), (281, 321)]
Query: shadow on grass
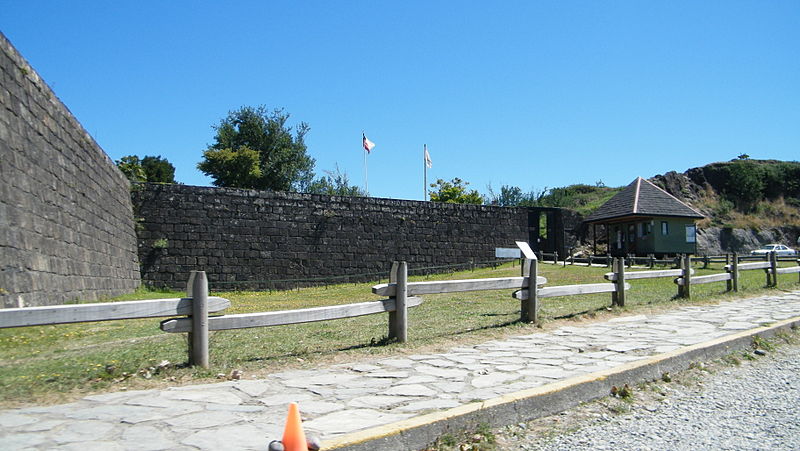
[(381, 342), (577, 314)]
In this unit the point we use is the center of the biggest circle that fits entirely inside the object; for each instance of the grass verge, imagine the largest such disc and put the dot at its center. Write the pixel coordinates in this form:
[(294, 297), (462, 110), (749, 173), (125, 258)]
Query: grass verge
[(50, 364)]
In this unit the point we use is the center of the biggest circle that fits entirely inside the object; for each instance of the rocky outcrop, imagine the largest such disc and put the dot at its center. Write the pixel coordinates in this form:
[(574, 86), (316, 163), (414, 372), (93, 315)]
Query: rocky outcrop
[(680, 186), (716, 240), (692, 185)]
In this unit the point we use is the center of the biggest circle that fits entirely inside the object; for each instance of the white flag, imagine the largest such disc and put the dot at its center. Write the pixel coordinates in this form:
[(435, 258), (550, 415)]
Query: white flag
[(428, 161), (368, 145)]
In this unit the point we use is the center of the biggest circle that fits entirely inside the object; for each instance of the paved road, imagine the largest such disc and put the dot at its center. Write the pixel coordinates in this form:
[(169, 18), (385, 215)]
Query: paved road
[(341, 399), (752, 407)]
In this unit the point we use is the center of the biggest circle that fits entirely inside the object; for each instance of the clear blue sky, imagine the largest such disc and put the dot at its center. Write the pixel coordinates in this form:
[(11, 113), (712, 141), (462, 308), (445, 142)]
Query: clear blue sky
[(533, 94)]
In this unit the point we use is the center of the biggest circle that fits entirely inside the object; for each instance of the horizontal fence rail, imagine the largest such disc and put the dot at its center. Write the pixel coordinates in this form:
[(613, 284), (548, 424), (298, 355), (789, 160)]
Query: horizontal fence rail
[(285, 317), (707, 279), (110, 311), (570, 290), (612, 276), (749, 266), (455, 286), (789, 270)]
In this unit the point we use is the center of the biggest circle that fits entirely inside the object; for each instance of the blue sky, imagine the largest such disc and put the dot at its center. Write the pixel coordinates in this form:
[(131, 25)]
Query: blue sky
[(533, 94)]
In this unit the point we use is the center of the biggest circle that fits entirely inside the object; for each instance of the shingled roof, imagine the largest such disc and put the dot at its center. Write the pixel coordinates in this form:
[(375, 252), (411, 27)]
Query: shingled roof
[(642, 198)]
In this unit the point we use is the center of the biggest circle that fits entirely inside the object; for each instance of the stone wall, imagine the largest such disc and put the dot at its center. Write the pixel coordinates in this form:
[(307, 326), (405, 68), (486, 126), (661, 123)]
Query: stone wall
[(66, 228), (247, 236)]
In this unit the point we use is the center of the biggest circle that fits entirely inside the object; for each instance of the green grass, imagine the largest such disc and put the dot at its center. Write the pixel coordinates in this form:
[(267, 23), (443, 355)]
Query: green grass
[(54, 363)]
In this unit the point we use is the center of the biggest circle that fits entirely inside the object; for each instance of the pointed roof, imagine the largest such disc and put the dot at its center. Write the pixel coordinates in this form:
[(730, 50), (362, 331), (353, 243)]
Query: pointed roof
[(642, 198)]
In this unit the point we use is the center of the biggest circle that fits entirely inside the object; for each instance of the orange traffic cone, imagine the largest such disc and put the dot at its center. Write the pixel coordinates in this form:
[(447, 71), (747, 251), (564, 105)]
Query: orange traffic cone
[(294, 439)]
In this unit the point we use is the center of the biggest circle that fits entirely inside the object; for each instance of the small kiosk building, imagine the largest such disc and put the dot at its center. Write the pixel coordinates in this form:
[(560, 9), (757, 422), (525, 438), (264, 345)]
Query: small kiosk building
[(643, 219)]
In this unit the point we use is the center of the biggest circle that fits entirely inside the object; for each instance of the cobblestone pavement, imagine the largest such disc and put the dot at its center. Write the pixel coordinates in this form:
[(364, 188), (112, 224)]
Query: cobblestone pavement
[(344, 398)]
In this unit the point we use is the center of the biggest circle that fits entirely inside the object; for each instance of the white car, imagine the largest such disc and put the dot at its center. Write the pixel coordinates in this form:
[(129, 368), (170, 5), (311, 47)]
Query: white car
[(779, 249)]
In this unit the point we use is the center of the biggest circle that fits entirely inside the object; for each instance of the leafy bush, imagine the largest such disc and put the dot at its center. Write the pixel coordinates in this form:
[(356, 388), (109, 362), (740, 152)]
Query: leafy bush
[(454, 192), (745, 183)]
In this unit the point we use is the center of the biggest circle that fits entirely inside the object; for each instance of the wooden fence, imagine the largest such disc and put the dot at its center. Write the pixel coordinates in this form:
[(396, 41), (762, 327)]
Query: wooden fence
[(401, 295), (651, 261), (731, 274), (197, 307), (620, 275), (684, 276), (84, 313)]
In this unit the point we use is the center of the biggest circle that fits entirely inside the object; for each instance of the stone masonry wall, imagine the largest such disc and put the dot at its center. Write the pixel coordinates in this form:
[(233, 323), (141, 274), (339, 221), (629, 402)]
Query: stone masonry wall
[(240, 235), (66, 224)]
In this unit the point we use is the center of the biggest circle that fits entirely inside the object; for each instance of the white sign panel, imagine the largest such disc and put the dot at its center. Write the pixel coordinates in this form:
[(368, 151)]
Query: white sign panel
[(506, 252), (526, 250)]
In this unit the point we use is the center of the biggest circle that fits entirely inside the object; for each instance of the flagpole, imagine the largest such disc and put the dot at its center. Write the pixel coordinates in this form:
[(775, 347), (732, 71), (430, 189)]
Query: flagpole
[(425, 172), (366, 169)]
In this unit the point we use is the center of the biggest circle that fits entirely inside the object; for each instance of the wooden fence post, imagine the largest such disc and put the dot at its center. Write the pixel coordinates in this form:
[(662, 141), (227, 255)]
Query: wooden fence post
[(189, 290), (609, 261), (393, 279), (398, 320), (529, 308), (618, 296), (199, 338), (735, 272), (729, 282), (798, 274), (685, 289), (772, 272), (652, 261)]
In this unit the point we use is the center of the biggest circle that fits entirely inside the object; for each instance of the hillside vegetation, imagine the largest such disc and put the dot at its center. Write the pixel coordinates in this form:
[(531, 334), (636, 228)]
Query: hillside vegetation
[(581, 198), (743, 193), (738, 194)]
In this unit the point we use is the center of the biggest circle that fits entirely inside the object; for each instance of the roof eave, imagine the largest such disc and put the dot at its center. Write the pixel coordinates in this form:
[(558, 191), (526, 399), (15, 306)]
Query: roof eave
[(640, 215)]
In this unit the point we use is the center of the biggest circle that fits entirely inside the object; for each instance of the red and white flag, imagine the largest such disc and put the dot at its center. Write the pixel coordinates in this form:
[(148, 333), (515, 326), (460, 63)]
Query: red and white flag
[(428, 161), (368, 145)]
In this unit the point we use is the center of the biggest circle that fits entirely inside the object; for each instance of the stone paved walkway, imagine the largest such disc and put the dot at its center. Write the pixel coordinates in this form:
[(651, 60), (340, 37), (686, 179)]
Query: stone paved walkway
[(340, 399)]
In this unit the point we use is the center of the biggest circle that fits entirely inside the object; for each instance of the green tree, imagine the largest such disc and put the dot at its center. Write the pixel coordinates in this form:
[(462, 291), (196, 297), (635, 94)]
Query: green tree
[(147, 169), (454, 192), (745, 183), (131, 166), (157, 169), (254, 148), (510, 196), (335, 183)]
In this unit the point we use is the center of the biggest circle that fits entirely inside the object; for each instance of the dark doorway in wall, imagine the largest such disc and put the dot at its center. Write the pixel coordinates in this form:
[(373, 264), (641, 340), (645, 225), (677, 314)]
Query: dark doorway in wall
[(546, 230)]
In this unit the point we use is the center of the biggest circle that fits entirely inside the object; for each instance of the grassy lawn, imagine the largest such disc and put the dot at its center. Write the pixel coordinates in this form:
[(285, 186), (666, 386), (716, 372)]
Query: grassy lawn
[(50, 364)]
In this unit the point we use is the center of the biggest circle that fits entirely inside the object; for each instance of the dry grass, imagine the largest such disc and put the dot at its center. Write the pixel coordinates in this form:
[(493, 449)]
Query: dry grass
[(767, 213)]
